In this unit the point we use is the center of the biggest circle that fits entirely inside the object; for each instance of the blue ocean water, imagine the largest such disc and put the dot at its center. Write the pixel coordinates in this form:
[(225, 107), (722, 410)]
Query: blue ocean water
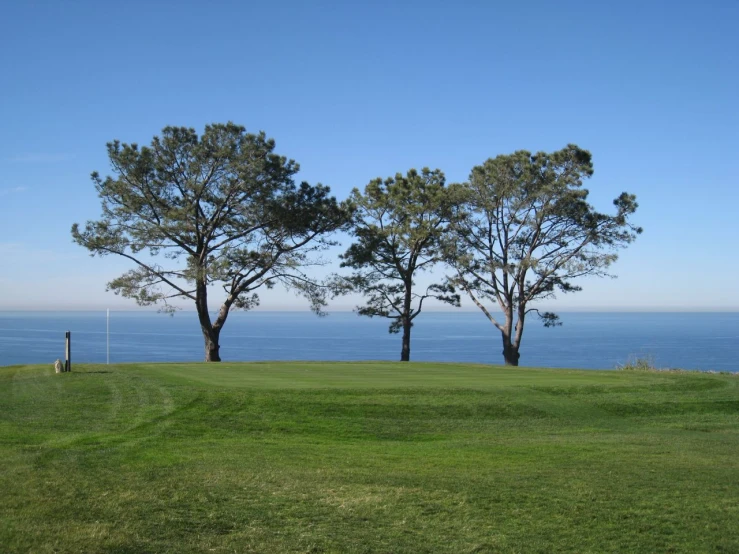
[(705, 341)]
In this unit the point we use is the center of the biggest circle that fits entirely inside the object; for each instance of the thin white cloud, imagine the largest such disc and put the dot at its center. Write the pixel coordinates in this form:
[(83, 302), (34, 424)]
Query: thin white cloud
[(12, 190), (39, 157)]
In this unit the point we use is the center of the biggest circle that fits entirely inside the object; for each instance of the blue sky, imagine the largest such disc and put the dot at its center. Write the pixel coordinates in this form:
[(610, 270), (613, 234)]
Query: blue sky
[(355, 91)]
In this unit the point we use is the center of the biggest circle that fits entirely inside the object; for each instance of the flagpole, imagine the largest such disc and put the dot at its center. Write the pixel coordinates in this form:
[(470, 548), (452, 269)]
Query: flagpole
[(107, 335)]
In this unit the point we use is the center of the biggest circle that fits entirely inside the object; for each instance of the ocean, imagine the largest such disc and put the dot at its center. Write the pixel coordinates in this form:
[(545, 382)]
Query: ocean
[(587, 340)]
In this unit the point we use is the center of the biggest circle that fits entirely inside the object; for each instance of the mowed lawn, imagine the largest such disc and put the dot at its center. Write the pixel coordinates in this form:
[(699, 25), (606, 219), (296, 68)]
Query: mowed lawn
[(366, 457)]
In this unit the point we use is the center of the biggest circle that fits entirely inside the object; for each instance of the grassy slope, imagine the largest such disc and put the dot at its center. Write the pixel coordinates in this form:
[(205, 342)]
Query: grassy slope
[(376, 457)]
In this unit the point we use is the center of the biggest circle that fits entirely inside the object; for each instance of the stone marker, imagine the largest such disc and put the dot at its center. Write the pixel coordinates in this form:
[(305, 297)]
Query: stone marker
[(58, 366)]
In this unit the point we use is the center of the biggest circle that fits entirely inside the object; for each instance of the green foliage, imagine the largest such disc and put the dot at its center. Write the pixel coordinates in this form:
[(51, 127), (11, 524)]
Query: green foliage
[(398, 225), (220, 209), (638, 363), (366, 457), (526, 231)]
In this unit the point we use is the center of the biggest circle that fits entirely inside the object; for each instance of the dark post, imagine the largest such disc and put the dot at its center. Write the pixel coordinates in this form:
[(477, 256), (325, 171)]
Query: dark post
[(68, 351)]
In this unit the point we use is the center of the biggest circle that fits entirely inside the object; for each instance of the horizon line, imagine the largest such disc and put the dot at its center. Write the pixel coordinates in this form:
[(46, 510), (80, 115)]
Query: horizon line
[(573, 309)]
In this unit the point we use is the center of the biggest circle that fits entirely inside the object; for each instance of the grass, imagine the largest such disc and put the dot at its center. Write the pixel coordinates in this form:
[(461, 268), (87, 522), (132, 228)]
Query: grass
[(366, 457)]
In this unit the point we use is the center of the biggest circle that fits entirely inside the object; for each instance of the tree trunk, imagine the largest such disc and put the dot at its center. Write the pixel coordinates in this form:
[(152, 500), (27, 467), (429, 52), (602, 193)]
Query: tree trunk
[(212, 347), (210, 333), (510, 349), (405, 352), (510, 354)]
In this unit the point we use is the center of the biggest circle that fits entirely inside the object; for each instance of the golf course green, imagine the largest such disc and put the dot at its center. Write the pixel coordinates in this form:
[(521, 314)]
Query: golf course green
[(366, 457)]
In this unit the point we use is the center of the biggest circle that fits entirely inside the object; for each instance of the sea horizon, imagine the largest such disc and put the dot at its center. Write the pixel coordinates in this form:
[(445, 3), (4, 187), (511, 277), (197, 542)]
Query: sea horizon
[(576, 309), (706, 341)]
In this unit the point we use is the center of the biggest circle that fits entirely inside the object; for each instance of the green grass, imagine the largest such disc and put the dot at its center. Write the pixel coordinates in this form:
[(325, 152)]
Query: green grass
[(366, 457)]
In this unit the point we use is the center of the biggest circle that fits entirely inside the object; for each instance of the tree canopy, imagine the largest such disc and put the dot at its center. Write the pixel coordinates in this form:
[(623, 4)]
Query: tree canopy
[(525, 231), (218, 209), (398, 226)]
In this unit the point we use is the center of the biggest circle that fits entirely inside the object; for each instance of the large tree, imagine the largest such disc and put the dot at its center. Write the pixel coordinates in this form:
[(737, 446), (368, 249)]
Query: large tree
[(526, 231), (398, 225), (218, 209)]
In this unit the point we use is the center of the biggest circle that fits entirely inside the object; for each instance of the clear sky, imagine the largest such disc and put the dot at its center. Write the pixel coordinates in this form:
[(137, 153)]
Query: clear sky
[(357, 90)]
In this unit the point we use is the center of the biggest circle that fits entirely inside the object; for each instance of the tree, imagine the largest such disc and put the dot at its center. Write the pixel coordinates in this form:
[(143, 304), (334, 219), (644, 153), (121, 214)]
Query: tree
[(220, 209), (398, 225), (526, 231)]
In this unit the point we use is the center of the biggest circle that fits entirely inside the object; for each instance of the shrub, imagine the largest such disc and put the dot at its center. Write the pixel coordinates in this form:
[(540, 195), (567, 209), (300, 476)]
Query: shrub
[(638, 363)]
